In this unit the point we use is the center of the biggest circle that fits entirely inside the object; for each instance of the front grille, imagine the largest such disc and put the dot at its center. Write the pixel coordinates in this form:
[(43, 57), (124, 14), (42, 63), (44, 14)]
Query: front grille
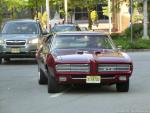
[(84, 76), (15, 42), (113, 67), (72, 68)]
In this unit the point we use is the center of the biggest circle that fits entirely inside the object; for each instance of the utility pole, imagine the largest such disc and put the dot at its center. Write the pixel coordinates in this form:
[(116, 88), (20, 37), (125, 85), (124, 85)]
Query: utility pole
[(109, 16), (145, 32), (36, 4), (131, 14), (48, 15), (66, 10)]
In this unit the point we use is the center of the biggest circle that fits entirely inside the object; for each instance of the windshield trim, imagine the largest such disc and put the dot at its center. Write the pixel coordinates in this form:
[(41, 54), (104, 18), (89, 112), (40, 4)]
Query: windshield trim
[(113, 47)]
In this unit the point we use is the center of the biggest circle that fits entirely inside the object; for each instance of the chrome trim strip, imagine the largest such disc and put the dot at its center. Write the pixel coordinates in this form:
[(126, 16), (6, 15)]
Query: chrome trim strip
[(79, 78), (103, 78), (72, 67), (108, 78)]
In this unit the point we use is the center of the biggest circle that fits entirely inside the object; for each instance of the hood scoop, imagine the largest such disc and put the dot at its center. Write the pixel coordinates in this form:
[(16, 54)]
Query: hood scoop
[(97, 53), (81, 52)]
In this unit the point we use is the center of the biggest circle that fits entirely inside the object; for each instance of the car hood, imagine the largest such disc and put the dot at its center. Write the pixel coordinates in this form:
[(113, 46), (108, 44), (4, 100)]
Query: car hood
[(18, 36), (101, 56)]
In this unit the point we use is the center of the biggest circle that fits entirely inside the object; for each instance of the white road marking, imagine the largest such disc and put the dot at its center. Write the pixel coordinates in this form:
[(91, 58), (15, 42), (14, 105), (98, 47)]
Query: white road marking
[(59, 94)]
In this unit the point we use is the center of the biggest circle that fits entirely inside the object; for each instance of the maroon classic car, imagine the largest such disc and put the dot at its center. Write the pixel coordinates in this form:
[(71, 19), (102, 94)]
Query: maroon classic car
[(82, 58)]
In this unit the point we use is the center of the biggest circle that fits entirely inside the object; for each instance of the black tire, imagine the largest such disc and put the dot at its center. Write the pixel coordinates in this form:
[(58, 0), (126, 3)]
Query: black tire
[(0, 60), (42, 77), (53, 86), (6, 59), (122, 86)]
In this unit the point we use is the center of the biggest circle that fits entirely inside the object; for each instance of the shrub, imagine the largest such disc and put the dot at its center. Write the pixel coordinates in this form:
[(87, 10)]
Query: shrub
[(137, 30), (125, 42)]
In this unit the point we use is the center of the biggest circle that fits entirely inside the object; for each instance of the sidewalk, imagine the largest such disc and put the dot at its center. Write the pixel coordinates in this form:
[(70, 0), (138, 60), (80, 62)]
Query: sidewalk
[(137, 50)]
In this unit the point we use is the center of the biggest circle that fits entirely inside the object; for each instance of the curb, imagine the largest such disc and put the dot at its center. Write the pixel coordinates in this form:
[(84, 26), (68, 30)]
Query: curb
[(137, 50)]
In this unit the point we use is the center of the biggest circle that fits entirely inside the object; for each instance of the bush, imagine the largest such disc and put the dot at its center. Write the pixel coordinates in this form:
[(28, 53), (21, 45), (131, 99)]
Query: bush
[(137, 31), (126, 42)]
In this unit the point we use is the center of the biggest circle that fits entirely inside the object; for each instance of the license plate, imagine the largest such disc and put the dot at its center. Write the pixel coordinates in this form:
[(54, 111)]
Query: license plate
[(15, 50), (93, 79)]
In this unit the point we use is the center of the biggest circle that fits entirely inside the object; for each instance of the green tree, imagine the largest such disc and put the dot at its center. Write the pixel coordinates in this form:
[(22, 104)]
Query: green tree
[(105, 10), (94, 16), (59, 5), (1, 12), (15, 6), (32, 5), (89, 4)]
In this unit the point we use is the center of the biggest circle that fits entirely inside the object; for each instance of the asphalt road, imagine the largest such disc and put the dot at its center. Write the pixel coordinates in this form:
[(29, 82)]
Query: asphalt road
[(20, 92)]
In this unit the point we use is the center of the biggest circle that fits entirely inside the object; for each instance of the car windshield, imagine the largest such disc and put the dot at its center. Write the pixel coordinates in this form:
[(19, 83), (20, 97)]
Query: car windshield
[(82, 42), (63, 28), (20, 28)]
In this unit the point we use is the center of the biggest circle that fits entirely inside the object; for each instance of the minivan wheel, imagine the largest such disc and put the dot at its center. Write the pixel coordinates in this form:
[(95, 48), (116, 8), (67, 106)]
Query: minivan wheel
[(42, 77), (0, 60), (6, 59), (122, 86)]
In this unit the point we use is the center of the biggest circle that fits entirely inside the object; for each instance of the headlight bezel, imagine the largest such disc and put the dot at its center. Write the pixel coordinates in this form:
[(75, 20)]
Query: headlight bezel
[(114, 67)]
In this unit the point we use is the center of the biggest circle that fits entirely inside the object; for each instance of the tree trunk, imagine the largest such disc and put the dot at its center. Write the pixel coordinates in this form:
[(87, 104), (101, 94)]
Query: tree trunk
[(145, 23), (89, 19)]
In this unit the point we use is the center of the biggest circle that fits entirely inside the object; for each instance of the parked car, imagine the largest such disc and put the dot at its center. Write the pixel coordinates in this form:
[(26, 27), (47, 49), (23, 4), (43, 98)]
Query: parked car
[(19, 39), (65, 27), (83, 58)]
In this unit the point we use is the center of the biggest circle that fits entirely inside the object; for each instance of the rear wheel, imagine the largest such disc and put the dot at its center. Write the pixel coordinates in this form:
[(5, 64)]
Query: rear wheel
[(122, 86), (42, 77)]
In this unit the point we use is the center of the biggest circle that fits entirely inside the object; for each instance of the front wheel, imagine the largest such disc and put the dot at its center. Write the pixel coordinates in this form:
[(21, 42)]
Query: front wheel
[(6, 59), (122, 86), (53, 86)]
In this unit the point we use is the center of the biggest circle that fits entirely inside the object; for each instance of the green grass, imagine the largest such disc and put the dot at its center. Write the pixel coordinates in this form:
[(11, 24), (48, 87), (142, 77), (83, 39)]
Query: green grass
[(125, 42)]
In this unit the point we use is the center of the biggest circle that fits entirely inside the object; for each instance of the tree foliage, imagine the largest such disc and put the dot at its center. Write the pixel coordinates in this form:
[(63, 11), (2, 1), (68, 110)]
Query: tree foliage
[(94, 16), (17, 5)]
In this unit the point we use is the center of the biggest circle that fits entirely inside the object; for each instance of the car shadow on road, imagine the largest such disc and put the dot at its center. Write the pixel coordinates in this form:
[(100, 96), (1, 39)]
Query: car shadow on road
[(20, 62), (92, 90)]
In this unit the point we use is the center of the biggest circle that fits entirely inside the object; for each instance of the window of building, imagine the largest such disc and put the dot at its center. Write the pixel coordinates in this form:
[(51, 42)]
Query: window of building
[(82, 13)]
